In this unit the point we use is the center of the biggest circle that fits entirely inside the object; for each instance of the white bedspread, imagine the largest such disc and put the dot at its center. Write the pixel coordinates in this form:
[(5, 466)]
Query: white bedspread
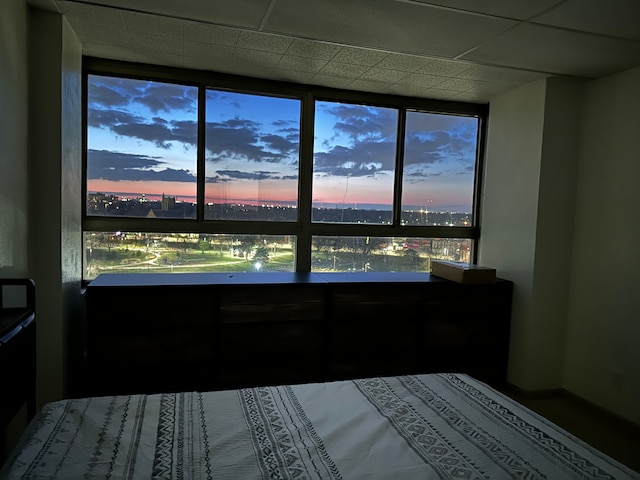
[(409, 427)]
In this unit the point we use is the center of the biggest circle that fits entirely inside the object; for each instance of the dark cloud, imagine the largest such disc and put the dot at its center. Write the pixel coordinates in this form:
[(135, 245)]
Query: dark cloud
[(116, 166), (360, 122), (112, 92), (101, 94), (363, 159), (159, 131), (99, 118), (243, 175), (164, 97), (428, 148), (242, 139)]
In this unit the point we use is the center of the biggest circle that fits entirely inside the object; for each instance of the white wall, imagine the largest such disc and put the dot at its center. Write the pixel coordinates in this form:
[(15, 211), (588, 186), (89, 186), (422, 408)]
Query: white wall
[(603, 335), (527, 219), (560, 218), (13, 138), (509, 209)]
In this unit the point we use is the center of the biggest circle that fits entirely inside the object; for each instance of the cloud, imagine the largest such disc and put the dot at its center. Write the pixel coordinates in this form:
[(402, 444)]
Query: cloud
[(164, 97), (160, 132), (116, 166), (221, 176), (241, 139), (110, 92), (363, 159), (361, 122), (100, 118), (100, 93)]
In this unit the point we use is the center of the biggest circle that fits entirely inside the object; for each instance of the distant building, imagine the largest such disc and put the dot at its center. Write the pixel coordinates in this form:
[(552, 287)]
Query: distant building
[(168, 203)]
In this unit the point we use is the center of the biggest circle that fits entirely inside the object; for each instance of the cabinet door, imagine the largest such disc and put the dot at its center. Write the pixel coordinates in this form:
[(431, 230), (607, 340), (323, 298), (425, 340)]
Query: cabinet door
[(150, 339), (270, 334), (374, 329), (466, 329)]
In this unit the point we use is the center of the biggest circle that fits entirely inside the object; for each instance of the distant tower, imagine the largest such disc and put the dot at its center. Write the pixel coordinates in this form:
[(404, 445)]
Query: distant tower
[(168, 203)]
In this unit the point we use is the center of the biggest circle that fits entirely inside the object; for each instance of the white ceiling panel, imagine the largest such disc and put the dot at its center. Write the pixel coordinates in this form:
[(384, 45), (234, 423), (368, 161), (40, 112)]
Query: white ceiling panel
[(239, 13), (558, 51), (383, 24), (466, 50), (515, 9), (616, 18)]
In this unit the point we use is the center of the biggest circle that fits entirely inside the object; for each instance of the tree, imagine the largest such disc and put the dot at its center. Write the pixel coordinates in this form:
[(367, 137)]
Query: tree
[(261, 255)]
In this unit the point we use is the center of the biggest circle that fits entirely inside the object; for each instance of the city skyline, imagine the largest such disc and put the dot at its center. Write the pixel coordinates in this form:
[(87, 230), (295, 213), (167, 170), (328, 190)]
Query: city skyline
[(142, 138)]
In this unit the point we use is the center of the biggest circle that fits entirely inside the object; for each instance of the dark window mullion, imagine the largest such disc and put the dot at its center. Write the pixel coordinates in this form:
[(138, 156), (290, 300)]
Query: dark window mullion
[(303, 243), (201, 154), (397, 187)]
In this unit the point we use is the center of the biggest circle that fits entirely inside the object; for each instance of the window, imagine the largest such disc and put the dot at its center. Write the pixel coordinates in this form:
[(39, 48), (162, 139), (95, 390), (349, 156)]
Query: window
[(192, 171)]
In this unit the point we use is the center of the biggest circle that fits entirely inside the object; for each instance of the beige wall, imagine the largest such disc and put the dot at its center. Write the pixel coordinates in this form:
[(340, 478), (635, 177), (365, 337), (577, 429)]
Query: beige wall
[(13, 138), (603, 335)]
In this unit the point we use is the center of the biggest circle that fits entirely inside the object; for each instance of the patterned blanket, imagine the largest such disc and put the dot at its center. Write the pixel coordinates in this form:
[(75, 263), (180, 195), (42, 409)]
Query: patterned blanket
[(406, 427)]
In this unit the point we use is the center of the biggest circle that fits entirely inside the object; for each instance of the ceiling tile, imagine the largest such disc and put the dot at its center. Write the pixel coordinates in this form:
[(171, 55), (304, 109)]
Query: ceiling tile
[(393, 26), (455, 84), (359, 56), (256, 58), (369, 86), (617, 18), (307, 48), (207, 50), (301, 64), (552, 50), (516, 9), (103, 35), (156, 43), (340, 69), (331, 81), (376, 74), (444, 68), (499, 74), (263, 42), (205, 32), (405, 63), (92, 15), (421, 80), (240, 13), (153, 25)]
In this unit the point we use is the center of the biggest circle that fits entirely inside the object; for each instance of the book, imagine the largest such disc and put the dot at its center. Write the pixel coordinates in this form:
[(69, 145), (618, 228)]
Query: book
[(462, 272)]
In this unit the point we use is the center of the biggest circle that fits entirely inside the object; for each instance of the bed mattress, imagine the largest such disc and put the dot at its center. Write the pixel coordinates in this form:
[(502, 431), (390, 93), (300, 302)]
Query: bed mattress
[(403, 427)]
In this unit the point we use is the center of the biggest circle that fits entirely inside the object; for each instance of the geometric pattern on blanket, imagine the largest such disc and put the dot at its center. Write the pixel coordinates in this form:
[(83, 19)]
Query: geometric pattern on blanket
[(405, 427)]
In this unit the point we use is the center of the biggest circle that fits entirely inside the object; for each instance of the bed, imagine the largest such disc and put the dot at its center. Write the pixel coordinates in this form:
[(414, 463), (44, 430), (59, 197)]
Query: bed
[(402, 427)]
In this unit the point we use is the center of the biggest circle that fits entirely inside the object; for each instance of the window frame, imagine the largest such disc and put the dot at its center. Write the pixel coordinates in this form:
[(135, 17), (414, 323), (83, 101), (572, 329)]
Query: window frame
[(303, 228)]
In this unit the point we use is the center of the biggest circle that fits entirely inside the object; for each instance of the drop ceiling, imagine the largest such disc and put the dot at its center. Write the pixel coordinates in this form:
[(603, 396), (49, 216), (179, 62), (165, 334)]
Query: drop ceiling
[(466, 50)]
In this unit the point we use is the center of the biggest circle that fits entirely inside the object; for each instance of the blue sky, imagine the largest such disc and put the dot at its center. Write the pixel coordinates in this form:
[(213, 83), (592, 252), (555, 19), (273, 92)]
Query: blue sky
[(142, 139)]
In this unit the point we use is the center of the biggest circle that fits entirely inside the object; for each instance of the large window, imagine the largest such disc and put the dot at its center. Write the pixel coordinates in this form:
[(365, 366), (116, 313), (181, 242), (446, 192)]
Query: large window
[(187, 171)]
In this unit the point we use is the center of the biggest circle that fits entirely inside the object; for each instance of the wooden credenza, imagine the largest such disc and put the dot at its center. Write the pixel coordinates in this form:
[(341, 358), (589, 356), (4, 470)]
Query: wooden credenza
[(174, 332)]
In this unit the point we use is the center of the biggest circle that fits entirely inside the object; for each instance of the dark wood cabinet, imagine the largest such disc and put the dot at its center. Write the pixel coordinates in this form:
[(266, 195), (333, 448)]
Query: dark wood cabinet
[(17, 351), (151, 333)]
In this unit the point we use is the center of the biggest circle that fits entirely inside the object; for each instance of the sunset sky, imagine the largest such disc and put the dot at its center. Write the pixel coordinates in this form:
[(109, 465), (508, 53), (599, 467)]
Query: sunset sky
[(142, 140)]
